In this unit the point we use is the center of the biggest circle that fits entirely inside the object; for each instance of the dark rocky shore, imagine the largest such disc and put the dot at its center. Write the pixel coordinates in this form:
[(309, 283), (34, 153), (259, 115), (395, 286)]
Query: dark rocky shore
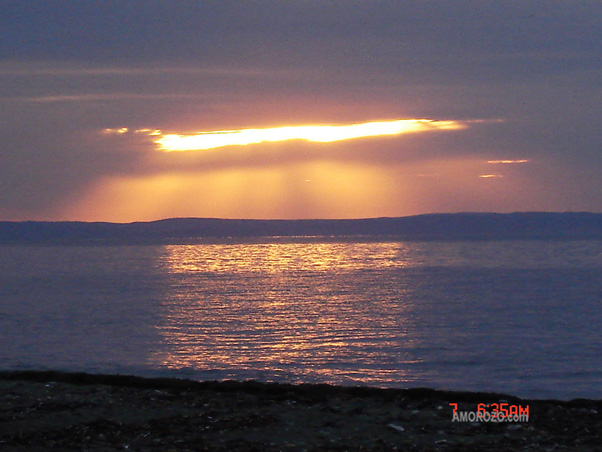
[(53, 411)]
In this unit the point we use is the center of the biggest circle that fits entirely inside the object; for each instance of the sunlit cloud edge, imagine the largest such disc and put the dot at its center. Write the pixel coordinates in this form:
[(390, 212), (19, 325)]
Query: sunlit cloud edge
[(315, 133), (508, 162)]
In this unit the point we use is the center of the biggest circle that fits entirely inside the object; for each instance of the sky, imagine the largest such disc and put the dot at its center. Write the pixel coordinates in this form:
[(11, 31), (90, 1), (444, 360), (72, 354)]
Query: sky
[(134, 110)]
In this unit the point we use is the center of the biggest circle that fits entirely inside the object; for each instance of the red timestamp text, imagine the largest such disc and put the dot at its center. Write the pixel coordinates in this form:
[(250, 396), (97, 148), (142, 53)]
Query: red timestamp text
[(503, 408), (492, 412)]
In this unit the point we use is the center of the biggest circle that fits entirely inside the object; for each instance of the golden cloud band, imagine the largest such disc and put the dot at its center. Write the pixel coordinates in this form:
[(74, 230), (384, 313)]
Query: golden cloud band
[(315, 133)]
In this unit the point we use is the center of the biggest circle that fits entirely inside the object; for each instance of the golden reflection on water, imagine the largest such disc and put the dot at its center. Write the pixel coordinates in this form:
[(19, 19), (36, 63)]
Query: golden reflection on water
[(305, 309), (279, 257)]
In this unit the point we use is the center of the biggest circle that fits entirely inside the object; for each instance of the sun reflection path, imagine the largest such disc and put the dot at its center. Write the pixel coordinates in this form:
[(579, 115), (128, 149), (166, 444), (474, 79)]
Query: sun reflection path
[(297, 311), (315, 133)]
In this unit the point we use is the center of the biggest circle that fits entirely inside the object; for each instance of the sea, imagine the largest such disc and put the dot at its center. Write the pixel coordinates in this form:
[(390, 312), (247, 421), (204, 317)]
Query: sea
[(516, 317)]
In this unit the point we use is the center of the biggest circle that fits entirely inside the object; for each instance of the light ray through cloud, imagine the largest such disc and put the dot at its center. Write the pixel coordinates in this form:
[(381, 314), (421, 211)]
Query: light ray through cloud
[(315, 133)]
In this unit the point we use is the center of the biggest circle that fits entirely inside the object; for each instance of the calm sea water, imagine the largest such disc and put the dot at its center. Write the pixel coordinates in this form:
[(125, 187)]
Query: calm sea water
[(517, 317)]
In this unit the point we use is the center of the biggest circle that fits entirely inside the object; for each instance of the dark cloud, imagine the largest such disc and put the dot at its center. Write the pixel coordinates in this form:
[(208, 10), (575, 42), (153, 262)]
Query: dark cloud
[(394, 34)]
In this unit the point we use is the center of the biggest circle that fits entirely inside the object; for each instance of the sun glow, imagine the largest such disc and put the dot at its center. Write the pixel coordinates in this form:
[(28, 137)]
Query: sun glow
[(315, 133)]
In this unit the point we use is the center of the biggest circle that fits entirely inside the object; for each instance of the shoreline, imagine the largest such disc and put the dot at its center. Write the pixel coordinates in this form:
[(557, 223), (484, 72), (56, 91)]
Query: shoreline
[(141, 382), (42, 410)]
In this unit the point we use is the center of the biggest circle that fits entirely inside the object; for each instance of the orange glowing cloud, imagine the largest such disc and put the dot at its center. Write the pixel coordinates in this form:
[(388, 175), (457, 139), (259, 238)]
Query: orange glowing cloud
[(315, 133), (507, 162), (119, 131)]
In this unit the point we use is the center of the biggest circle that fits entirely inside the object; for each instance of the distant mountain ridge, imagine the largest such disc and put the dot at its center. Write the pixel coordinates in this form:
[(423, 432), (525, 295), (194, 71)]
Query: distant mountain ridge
[(456, 226)]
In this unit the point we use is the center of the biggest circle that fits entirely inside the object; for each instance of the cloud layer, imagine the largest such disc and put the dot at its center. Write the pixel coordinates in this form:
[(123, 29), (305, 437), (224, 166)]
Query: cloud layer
[(71, 69)]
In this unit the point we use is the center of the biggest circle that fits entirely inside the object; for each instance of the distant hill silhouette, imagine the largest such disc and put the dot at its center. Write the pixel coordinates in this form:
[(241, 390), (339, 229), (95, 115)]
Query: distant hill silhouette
[(459, 226)]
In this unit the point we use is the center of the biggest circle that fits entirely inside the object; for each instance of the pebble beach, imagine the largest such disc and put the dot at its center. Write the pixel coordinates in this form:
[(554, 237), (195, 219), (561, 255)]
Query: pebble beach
[(41, 411)]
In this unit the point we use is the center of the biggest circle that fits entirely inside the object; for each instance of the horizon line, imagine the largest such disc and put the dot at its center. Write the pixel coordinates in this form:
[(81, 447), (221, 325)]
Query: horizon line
[(518, 212)]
